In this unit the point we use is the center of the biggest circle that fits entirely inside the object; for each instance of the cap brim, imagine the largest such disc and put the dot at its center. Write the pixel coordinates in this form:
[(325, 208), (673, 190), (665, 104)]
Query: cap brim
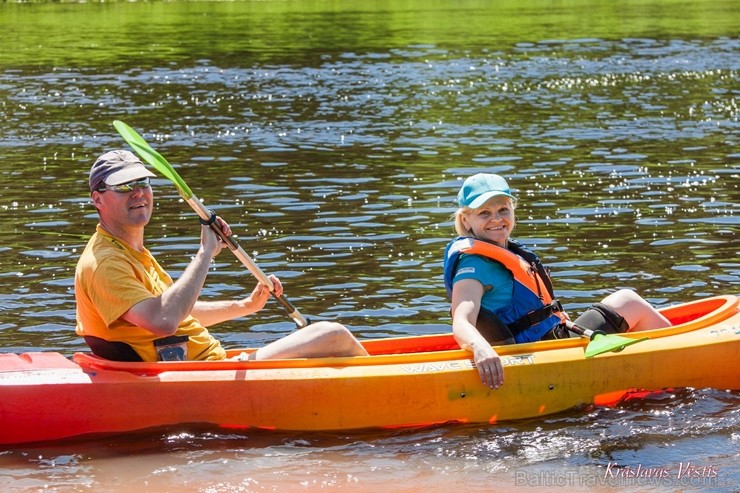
[(128, 174), (483, 198)]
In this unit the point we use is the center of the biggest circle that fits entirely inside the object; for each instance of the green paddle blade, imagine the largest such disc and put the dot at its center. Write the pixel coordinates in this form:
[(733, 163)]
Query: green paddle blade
[(602, 343), (145, 151)]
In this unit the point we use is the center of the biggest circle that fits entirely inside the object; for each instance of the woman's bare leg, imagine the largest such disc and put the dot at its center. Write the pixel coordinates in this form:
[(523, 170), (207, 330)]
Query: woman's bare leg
[(639, 314)]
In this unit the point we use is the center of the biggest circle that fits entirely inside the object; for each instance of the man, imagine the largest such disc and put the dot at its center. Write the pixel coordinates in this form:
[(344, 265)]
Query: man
[(128, 307)]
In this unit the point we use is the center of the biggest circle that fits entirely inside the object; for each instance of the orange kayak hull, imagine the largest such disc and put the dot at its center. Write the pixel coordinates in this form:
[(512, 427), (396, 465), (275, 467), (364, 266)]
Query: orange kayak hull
[(407, 381)]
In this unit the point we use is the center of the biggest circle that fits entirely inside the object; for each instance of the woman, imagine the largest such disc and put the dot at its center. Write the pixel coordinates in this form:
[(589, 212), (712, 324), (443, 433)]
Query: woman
[(500, 291)]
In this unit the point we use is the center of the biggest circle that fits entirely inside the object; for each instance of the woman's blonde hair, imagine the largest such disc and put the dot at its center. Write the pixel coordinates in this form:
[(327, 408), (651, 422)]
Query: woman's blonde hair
[(460, 228)]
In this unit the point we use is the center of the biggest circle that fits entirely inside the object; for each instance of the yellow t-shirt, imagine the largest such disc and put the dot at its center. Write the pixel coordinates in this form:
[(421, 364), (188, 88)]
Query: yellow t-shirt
[(111, 277)]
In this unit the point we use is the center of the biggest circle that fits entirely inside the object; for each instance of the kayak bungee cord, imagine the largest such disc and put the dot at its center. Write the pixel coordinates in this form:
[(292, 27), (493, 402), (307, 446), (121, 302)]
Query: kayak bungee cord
[(207, 217)]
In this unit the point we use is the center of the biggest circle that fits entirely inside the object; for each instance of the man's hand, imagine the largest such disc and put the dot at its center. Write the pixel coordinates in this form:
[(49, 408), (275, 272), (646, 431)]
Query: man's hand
[(210, 241), (261, 293)]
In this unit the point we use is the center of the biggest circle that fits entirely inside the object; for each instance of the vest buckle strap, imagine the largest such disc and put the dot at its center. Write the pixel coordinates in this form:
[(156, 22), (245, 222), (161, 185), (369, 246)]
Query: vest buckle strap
[(536, 316)]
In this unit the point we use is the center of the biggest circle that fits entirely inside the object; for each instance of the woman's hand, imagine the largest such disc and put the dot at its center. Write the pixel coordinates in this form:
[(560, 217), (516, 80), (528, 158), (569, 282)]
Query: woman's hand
[(489, 365)]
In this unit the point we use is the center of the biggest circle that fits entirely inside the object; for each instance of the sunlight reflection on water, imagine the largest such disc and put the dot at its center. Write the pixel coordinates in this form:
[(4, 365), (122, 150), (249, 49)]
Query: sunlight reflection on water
[(338, 167)]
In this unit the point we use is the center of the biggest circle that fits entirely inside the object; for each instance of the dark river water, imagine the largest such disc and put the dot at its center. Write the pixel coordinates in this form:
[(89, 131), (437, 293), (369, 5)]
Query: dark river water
[(333, 136)]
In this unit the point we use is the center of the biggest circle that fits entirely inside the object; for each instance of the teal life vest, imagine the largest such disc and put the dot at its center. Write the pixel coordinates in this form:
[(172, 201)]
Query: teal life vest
[(533, 310)]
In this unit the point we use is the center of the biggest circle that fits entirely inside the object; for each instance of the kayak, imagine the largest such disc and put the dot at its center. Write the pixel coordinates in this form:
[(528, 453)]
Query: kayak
[(405, 382)]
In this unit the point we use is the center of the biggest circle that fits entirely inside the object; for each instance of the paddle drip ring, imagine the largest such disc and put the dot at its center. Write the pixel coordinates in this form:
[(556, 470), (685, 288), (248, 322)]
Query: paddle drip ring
[(209, 221)]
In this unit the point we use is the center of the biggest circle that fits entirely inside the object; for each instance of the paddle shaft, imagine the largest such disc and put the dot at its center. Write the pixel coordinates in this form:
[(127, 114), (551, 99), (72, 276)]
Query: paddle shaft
[(154, 158), (581, 331), (238, 251)]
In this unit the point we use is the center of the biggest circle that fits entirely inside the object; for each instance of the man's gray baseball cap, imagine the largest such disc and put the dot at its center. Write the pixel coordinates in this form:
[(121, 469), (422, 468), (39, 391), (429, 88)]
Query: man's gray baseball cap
[(117, 167)]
